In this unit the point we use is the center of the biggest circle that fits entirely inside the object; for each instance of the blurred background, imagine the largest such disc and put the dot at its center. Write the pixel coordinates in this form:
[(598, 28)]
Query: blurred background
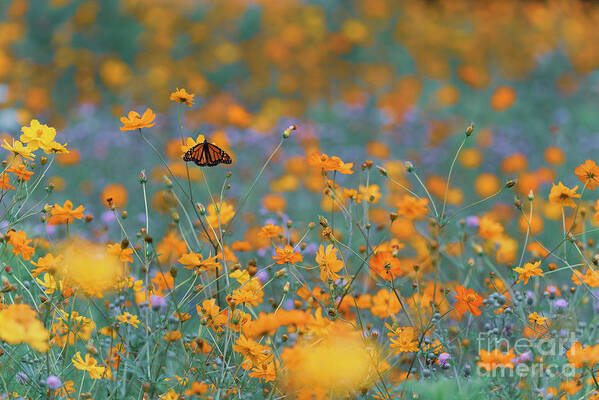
[(362, 79)]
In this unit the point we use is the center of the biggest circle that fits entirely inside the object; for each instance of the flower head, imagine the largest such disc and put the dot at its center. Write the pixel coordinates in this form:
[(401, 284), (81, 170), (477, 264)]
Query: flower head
[(65, 214), (19, 324), (588, 173), (328, 263), (563, 195), (528, 271), (181, 96), (18, 148), (468, 300), (37, 135), (287, 255), (134, 121)]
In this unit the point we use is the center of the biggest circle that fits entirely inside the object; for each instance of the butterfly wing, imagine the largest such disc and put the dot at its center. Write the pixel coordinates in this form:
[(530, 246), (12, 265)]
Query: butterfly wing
[(215, 155), (207, 154)]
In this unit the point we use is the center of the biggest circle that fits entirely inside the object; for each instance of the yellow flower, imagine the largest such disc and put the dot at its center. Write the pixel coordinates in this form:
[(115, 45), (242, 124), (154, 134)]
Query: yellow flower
[(37, 135), (328, 263), (528, 271), (134, 121), (537, 319), (403, 339), (18, 148), (49, 283), (189, 143), (90, 268), (19, 324), (128, 318), (224, 215), (47, 263), (90, 365), (563, 195), (181, 96)]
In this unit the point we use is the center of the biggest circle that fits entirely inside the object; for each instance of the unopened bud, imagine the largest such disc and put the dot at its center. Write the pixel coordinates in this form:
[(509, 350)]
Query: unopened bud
[(287, 132), (469, 129), (409, 166)]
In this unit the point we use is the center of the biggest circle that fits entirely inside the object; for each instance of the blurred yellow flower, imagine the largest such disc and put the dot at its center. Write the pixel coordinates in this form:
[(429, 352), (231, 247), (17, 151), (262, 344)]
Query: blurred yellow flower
[(19, 324)]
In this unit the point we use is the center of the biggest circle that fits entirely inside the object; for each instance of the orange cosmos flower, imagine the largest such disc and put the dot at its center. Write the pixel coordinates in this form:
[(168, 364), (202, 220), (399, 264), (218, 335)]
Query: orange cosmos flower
[(403, 339), (588, 173), (65, 214), (327, 163), (134, 121), (586, 356), (47, 263), (181, 96), (5, 182), (563, 195), (329, 263), (468, 300), (270, 231), (21, 172), (412, 207), (386, 264), (529, 270), (124, 254), (287, 255), (489, 360), (20, 244)]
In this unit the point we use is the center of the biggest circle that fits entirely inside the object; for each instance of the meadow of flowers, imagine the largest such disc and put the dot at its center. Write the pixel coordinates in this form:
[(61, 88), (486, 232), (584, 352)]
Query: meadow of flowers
[(410, 211)]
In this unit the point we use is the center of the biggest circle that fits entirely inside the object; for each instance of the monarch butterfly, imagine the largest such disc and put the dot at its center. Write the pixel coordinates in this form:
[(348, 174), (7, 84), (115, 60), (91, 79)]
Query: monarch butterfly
[(207, 154)]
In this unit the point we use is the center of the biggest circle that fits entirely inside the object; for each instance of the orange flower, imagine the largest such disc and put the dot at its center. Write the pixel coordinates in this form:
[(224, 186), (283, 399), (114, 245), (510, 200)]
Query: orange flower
[(65, 214), (403, 339), (20, 244), (468, 300), (270, 231), (287, 255), (327, 163), (21, 172), (124, 254), (489, 360), (563, 195), (386, 264), (46, 264), (329, 263), (412, 207), (133, 121), (529, 270), (588, 173), (586, 356), (488, 228), (5, 182), (181, 96)]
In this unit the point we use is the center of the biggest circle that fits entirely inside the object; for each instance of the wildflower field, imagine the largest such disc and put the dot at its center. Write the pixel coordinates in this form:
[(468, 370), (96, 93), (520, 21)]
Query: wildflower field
[(299, 199)]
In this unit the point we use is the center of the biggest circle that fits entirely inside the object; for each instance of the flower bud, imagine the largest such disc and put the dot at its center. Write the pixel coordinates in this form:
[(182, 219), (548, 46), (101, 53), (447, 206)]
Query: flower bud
[(287, 132), (469, 129)]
